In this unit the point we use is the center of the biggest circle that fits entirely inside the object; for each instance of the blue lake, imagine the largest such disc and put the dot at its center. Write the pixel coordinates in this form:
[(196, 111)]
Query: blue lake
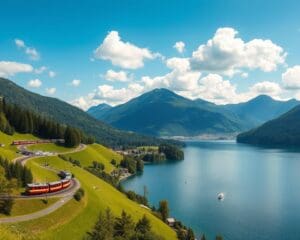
[(261, 186)]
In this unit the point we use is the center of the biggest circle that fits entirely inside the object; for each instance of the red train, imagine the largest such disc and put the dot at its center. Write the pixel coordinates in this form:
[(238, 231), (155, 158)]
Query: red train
[(27, 142), (42, 188)]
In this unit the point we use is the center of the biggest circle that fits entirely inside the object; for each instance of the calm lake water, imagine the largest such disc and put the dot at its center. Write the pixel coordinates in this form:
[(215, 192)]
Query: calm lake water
[(261, 186)]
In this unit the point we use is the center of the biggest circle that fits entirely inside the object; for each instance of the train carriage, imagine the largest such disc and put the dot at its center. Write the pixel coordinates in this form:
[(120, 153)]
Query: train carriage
[(55, 186), (37, 188), (66, 183), (42, 188)]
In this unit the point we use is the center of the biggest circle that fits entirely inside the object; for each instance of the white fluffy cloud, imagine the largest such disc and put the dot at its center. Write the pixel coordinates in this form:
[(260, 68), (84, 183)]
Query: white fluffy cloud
[(30, 51), (75, 82), (112, 75), (122, 54), (181, 78), (226, 53), (269, 88), (291, 78), (109, 94), (203, 75), (50, 91), (35, 83), (11, 68), (179, 46), (114, 96)]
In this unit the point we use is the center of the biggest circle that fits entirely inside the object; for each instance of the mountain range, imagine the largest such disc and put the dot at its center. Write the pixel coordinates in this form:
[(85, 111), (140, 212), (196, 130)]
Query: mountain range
[(65, 113), (282, 131), (161, 112)]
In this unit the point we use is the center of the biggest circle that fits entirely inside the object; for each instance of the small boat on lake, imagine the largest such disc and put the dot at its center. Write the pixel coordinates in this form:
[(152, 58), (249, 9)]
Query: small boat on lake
[(221, 196)]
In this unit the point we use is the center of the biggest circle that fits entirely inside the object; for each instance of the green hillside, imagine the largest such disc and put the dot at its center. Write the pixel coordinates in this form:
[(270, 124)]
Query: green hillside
[(282, 131), (98, 153), (76, 218), (99, 196), (65, 113), (9, 151)]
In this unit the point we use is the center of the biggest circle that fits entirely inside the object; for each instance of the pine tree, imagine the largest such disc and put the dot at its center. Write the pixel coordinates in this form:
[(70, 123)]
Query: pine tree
[(143, 225), (164, 209), (124, 226), (72, 138)]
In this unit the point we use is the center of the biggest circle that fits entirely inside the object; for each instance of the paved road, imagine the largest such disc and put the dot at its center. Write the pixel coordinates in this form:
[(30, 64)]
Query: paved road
[(65, 195), (43, 212)]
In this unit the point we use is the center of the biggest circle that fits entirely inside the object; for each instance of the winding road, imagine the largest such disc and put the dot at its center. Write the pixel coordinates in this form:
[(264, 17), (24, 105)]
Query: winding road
[(65, 195)]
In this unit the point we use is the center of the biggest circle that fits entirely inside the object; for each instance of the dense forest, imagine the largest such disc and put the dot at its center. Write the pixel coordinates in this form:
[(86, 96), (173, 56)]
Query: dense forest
[(14, 118), (12, 176), (171, 152)]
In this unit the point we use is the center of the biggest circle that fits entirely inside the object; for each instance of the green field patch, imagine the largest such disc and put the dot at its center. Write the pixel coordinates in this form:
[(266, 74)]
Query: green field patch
[(42, 227), (98, 153), (8, 151), (49, 147), (39, 171), (26, 206)]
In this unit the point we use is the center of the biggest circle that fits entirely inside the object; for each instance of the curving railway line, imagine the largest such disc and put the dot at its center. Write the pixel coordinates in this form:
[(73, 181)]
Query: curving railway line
[(65, 195)]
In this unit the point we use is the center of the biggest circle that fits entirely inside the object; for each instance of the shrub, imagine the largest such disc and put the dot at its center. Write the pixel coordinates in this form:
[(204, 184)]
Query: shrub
[(79, 194)]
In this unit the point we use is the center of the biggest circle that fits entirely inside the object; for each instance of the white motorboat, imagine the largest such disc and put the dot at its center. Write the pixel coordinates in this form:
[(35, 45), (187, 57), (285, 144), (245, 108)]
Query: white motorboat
[(221, 196)]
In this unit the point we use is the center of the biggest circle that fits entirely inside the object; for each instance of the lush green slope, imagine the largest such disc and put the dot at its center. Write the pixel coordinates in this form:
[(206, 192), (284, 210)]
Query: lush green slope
[(9, 151), (74, 220), (26, 206), (164, 113), (49, 148), (68, 114), (261, 109), (98, 153), (282, 131)]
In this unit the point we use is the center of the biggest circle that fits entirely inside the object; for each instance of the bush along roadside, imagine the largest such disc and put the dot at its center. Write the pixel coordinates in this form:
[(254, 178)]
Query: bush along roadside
[(79, 194)]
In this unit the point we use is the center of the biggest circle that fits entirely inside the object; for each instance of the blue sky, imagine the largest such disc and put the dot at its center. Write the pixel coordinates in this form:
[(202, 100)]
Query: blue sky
[(89, 52)]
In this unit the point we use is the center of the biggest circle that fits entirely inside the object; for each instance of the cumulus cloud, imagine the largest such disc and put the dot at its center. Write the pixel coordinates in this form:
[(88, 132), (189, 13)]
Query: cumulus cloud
[(122, 54), (181, 77), (35, 83), (75, 82), (11, 68), (291, 78), (112, 75), (227, 54), (269, 88), (179, 46), (50, 91), (109, 94), (30, 51)]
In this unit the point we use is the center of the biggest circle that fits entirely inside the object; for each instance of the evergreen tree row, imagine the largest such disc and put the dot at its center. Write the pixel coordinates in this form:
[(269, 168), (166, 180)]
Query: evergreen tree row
[(171, 152), (16, 171), (13, 118), (109, 227)]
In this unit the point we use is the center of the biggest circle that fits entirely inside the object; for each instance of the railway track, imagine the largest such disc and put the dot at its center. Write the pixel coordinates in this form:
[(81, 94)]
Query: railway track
[(65, 195)]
